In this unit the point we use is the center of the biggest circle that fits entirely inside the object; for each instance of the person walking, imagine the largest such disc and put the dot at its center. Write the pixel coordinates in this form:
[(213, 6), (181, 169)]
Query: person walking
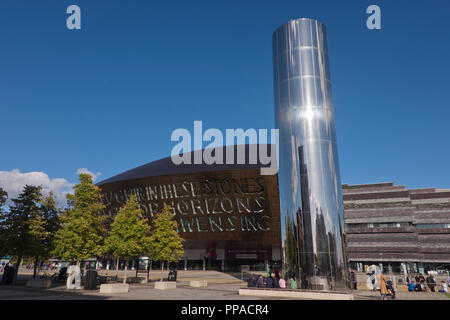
[(353, 280), (431, 282), (383, 288)]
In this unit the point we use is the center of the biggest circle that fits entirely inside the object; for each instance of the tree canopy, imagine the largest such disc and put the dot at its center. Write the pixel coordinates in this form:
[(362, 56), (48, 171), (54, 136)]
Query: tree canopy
[(50, 214), (3, 198), (3, 230), (129, 235), (22, 225), (130, 232), (165, 242), (83, 224)]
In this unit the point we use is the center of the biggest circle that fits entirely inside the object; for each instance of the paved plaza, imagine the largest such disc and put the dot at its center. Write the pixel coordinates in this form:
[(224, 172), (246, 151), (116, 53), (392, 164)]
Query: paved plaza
[(221, 286)]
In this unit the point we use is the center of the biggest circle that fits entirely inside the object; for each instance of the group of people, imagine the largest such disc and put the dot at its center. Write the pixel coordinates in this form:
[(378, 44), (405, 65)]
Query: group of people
[(419, 283), (273, 280)]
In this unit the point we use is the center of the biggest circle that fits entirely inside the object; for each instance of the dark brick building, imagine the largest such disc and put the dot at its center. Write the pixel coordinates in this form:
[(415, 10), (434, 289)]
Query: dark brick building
[(396, 227)]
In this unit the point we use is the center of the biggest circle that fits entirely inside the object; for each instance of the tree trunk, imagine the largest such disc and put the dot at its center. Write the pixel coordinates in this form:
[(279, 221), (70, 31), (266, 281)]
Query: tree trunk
[(35, 267), (162, 269), (117, 267), (125, 275), (16, 271)]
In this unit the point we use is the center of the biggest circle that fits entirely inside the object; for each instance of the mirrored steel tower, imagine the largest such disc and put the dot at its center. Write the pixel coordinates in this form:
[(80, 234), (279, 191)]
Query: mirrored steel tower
[(309, 180)]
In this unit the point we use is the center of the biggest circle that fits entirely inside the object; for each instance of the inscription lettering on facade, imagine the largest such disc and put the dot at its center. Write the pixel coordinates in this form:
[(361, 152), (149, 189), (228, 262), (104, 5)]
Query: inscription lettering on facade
[(204, 205)]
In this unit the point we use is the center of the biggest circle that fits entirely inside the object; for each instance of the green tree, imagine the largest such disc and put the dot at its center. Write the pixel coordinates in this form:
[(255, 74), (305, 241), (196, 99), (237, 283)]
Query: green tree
[(82, 231), (165, 242), (130, 233), (50, 222), (23, 225), (3, 198)]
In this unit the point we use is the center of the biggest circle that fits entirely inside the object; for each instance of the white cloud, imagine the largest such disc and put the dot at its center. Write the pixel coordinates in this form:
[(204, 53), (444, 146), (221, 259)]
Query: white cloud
[(85, 170), (14, 181)]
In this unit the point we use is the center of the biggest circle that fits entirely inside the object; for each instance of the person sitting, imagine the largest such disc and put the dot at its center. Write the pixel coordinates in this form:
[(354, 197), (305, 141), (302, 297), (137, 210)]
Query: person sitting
[(251, 282), (276, 282), (282, 283), (259, 281), (422, 283), (444, 287), (269, 282), (418, 286), (277, 273), (408, 279), (411, 287), (293, 283), (417, 278)]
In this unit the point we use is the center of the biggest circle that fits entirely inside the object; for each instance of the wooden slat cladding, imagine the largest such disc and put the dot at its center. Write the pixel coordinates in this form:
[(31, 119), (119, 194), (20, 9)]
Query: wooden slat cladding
[(431, 195), (376, 204), (372, 189), (371, 185), (376, 195)]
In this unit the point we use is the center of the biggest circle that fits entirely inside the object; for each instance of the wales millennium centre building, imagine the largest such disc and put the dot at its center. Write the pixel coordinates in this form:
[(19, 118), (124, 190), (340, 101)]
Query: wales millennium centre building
[(231, 215)]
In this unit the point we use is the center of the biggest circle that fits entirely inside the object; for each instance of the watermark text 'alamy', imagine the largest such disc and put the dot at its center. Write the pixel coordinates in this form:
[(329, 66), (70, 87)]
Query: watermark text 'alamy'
[(213, 152)]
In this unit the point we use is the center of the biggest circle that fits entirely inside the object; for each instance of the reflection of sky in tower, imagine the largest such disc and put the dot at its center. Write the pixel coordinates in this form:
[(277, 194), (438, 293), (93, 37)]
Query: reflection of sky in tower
[(328, 219), (309, 112)]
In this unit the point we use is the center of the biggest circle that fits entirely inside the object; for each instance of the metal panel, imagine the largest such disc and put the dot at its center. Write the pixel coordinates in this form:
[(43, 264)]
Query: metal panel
[(309, 179)]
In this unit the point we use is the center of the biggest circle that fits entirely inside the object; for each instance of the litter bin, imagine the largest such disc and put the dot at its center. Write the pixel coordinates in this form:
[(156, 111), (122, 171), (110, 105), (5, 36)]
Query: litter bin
[(172, 275), (8, 275), (90, 282)]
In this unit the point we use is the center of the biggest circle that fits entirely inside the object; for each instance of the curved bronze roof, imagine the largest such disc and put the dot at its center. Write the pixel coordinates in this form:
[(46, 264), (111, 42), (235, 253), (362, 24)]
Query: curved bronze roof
[(165, 166)]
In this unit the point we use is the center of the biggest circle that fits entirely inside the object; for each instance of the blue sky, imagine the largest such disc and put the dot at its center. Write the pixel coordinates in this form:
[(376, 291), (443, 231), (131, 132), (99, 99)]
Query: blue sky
[(107, 97)]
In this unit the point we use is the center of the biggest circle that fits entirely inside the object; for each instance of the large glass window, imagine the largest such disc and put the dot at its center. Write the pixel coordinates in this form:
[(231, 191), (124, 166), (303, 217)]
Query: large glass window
[(433, 225), (379, 225)]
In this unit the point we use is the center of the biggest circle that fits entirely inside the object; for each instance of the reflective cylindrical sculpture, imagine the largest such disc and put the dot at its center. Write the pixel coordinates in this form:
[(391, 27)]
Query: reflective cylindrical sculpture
[(309, 180)]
